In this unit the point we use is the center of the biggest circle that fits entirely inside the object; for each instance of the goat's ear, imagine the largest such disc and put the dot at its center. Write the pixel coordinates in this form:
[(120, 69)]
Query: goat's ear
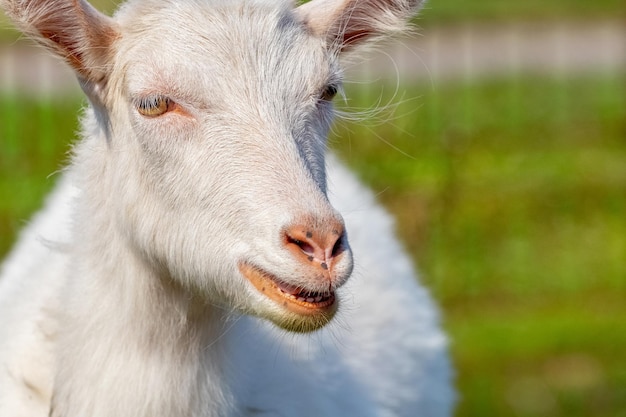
[(347, 23), (72, 29)]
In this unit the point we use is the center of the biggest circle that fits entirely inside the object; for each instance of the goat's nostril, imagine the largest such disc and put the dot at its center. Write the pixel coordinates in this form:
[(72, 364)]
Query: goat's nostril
[(320, 245), (304, 246), (339, 246)]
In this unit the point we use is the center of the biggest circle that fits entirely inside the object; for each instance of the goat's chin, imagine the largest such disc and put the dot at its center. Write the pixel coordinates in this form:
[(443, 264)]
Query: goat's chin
[(302, 324), (288, 307)]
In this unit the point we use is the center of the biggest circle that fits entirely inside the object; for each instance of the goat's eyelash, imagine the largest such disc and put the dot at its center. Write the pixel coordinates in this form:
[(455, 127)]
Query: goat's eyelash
[(154, 106), (329, 92)]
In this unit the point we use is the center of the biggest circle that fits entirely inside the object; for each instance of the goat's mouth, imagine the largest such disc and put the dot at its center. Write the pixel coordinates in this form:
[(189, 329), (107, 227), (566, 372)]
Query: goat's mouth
[(298, 300)]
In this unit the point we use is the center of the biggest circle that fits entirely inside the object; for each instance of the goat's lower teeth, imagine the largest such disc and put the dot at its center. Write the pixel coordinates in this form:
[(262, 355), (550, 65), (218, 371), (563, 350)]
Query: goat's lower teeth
[(307, 298), (288, 295)]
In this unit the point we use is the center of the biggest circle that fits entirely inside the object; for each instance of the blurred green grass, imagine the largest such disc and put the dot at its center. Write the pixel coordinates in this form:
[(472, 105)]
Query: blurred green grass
[(438, 12), (510, 194), (34, 141)]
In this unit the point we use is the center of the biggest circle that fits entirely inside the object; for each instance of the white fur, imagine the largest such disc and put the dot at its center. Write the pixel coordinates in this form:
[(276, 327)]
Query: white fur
[(123, 297)]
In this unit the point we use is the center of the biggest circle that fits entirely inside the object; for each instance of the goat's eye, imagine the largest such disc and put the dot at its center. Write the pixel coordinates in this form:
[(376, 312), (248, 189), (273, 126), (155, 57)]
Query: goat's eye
[(329, 92), (154, 106)]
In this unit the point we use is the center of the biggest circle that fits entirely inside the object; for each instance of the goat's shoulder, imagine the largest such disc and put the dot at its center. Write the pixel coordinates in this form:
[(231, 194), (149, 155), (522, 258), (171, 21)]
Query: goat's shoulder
[(43, 240), (33, 273)]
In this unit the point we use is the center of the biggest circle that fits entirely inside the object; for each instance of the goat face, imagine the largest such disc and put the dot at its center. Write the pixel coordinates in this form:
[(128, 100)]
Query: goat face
[(218, 121), (215, 117)]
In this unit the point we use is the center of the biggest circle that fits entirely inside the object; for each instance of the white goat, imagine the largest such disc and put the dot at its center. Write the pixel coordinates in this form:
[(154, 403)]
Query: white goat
[(192, 230)]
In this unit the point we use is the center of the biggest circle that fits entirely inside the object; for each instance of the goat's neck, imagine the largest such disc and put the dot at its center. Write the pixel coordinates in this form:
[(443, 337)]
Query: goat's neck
[(133, 343)]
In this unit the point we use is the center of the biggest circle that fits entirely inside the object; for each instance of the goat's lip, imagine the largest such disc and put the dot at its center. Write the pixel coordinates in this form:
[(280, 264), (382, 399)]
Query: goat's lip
[(294, 299)]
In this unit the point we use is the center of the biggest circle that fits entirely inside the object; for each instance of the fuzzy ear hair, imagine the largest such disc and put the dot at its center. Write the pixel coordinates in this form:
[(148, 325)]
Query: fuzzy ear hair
[(72, 29), (347, 23)]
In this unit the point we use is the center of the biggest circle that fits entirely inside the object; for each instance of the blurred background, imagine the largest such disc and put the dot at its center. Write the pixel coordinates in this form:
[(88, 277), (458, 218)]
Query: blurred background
[(497, 137)]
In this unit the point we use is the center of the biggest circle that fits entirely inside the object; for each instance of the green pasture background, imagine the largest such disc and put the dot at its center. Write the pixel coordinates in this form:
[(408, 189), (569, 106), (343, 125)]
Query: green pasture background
[(510, 194)]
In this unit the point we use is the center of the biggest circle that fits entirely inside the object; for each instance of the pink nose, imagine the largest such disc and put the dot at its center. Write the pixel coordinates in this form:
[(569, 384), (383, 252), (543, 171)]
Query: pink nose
[(318, 244)]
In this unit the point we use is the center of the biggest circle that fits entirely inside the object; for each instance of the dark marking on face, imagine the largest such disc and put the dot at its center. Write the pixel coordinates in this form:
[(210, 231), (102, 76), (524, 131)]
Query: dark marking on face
[(310, 258), (263, 289), (336, 232), (324, 266), (309, 235)]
